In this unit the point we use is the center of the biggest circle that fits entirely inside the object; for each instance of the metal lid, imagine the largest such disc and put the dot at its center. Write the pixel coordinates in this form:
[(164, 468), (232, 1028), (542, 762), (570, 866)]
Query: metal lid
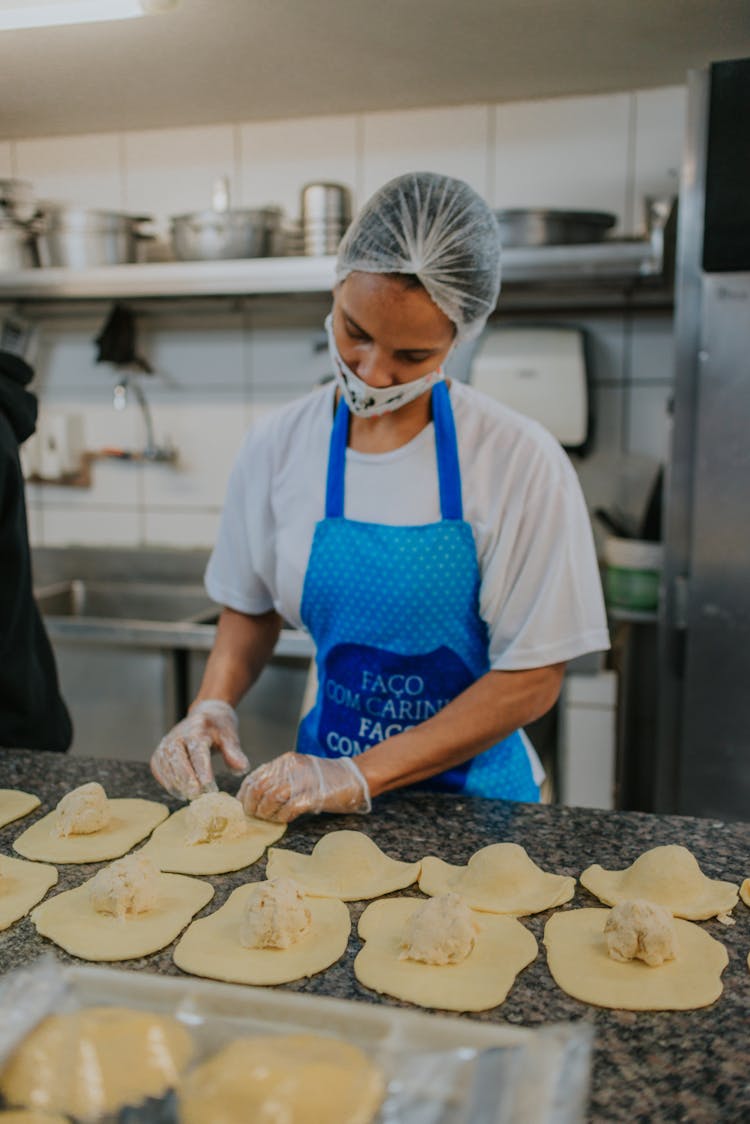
[(65, 216)]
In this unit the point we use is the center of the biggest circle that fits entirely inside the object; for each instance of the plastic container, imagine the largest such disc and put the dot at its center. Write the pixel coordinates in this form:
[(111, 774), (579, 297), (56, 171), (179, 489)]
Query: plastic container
[(633, 573)]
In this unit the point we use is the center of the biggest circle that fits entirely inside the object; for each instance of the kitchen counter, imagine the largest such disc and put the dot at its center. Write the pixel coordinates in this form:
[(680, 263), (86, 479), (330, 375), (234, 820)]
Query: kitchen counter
[(663, 1066)]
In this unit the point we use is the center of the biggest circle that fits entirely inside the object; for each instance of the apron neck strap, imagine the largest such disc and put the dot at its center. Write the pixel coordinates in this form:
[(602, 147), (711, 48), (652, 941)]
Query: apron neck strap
[(446, 447)]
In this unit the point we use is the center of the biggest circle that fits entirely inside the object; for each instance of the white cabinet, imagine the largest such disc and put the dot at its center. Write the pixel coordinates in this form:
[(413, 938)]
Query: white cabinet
[(587, 740)]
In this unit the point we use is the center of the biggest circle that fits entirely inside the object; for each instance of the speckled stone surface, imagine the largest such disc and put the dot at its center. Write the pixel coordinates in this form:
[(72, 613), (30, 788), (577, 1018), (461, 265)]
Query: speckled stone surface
[(664, 1066)]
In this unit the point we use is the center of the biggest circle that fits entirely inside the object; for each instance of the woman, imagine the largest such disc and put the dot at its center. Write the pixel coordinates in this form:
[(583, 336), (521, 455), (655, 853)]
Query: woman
[(435, 544), (33, 714)]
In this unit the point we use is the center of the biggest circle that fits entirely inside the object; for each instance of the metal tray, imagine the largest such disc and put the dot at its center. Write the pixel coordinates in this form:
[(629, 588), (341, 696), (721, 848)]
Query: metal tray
[(441, 1069)]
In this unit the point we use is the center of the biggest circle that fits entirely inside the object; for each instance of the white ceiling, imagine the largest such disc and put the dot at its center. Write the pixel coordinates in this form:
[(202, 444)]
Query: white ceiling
[(239, 60)]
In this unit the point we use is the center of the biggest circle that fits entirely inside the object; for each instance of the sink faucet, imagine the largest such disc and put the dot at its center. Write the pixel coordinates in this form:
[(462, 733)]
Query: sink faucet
[(152, 451)]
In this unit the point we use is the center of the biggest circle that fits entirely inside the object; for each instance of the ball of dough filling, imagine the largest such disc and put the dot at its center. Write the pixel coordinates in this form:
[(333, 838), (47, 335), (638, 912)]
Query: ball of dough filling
[(640, 930), (215, 815), (125, 887), (275, 916), (83, 811), (440, 931)]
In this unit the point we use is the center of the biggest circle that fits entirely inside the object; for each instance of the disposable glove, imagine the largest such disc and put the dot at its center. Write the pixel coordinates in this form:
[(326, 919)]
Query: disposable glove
[(182, 760), (294, 783)]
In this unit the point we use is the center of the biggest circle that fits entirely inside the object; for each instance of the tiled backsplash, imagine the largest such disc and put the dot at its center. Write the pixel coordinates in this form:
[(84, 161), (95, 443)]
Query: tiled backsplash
[(219, 366)]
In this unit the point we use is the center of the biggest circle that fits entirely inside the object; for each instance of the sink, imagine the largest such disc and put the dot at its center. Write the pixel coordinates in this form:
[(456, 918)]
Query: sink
[(145, 598), (80, 599)]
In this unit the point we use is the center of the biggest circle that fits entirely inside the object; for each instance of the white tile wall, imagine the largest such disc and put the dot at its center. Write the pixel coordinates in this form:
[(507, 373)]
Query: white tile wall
[(64, 526), (659, 138), (652, 348), (565, 152), (34, 521), (453, 141), (649, 420), (279, 157), (87, 170), (6, 160), (208, 439), (180, 529), (172, 171), (197, 356), (221, 368)]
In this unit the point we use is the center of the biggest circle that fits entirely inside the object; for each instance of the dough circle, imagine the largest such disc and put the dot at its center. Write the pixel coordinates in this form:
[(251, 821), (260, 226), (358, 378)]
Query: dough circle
[(580, 964), (95, 1061), (346, 865), (70, 920), (131, 821), (169, 851), (500, 878), (304, 1078), (22, 885), (669, 876), (211, 946), (14, 804), (30, 1116), (503, 947), (745, 891)]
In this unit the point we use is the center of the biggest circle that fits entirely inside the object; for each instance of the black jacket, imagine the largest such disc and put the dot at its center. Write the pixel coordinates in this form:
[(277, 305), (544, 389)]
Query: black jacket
[(32, 712)]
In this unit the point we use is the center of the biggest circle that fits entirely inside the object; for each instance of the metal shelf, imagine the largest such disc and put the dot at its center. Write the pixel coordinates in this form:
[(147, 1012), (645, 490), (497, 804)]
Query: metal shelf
[(614, 263)]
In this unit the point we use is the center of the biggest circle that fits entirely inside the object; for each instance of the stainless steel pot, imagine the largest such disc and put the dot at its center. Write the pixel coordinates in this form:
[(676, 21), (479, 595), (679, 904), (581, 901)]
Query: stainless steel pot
[(537, 227), (212, 235), (16, 200), (18, 248), (81, 238)]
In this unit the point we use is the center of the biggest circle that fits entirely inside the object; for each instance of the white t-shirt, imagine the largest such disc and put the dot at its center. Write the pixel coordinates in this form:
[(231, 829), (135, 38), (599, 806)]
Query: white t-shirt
[(540, 590)]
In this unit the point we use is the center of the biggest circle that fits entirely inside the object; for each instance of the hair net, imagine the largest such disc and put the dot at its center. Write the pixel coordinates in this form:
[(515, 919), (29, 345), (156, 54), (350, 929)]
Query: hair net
[(438, 229)]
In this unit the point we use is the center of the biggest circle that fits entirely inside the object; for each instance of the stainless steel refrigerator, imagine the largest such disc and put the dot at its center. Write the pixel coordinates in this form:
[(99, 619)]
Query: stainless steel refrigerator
[(702, 761)]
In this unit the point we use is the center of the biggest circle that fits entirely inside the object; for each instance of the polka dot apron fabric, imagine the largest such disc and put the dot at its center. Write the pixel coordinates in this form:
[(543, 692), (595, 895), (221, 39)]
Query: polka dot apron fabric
[(394, 613)]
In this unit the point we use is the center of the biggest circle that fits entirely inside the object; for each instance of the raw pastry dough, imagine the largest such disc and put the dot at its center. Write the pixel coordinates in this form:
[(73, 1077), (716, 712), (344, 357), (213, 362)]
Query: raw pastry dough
[(580, 963), (126, 887), (30, 1116), (745, 891), (22, 885), (344, 864), (275, 915), (439, 931), (211, 946), (96, 1061), (72, 922), (503, 948), (171, 849), (83, 811), (669, 876), (14, 804), (130, 821), (297, 1078), (640, 930), (500, 878)]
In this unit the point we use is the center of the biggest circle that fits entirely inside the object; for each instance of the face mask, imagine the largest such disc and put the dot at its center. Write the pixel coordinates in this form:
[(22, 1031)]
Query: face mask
[(371, 401)]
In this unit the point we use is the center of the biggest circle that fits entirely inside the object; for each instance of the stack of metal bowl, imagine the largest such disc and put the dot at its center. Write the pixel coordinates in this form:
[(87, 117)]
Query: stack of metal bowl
[(326, 212)]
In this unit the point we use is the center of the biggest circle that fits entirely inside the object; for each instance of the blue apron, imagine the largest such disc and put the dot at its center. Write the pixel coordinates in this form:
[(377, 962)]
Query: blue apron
[(394, 613)]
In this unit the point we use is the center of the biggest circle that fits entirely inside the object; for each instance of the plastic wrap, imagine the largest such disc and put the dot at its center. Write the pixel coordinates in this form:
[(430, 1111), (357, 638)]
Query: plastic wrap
[(437, 1069)]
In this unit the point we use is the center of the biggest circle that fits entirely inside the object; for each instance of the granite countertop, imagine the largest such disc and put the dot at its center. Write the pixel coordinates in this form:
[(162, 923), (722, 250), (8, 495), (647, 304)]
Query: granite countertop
[(648, 1066)]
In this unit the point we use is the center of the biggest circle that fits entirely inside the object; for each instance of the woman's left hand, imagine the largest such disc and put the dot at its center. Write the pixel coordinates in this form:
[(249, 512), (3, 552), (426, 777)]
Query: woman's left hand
[(294, 783)]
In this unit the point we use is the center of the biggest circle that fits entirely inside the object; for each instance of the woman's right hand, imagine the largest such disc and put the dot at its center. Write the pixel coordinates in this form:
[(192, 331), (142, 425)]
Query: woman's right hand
[(181, 763)]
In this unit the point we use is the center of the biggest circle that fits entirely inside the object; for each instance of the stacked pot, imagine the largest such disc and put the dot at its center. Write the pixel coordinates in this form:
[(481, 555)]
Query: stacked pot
[(326, 212)]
